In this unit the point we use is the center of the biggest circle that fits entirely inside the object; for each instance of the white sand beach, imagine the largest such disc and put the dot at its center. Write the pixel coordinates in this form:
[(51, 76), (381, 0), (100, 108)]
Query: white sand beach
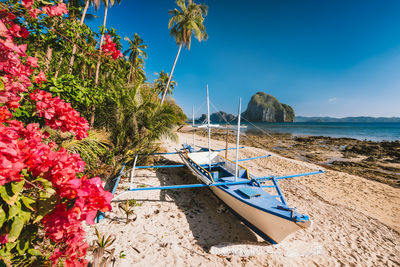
[(356, 222)]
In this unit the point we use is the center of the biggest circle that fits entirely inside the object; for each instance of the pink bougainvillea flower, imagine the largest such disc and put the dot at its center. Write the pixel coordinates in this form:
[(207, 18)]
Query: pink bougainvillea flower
[(3, 239), (23, 148), (40, 78), (3, 29), (5, 114), (34, 13), (56, 10), (27, 3), (32, 62), (110, 48), (59, 114)]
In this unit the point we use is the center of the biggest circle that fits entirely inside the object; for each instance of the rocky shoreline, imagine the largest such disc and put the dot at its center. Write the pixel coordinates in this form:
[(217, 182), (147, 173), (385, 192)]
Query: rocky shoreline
[(379, 161)]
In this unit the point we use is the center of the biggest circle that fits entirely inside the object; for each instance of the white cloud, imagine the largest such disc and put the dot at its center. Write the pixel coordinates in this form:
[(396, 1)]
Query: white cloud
[(332, 99)]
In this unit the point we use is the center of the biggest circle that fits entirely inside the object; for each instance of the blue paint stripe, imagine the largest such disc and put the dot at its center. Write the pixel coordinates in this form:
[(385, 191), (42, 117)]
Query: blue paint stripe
[(118, 179), (278, 190), (266, 156), (100, 215), (290, 176), (171, 153), (223, 149), (172, 166), (159, 166), (186, 186)]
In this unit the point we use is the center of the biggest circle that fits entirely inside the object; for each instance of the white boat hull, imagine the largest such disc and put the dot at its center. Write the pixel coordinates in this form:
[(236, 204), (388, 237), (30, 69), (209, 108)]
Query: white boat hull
[(276, 228), (269, 226)]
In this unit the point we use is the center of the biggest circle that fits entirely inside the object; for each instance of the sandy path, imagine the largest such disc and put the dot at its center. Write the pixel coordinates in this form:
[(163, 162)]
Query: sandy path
[(355, 221)]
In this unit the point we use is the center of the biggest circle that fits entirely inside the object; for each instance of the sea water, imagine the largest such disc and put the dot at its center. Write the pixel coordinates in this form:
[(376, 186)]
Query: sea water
[(375, 131)]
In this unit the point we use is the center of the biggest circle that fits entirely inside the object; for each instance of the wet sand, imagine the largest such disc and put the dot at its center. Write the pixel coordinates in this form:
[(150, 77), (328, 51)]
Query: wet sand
[(356, 221)]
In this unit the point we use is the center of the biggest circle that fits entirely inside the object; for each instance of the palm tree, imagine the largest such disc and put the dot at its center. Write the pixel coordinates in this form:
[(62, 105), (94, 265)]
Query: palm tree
[(136, 53), (96, 79), (96, 6), (161, 82), (106, 3), (185, 22)]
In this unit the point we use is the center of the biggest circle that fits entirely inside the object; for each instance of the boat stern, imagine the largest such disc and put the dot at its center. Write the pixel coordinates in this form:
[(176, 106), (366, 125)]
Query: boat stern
[(303, 221)]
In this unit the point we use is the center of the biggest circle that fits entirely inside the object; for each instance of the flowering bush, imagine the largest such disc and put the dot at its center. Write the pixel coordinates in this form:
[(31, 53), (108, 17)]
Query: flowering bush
[(110, 48), (42, 190)]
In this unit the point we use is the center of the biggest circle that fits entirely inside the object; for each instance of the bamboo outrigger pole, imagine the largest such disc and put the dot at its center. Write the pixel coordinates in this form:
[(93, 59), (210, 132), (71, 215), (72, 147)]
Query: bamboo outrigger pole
[(227, 136), (133, 172), (259, 179)]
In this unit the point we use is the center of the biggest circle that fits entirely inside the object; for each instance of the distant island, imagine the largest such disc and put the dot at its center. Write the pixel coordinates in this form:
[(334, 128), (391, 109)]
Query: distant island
[(347, 119), (266, 108), (262, 107)]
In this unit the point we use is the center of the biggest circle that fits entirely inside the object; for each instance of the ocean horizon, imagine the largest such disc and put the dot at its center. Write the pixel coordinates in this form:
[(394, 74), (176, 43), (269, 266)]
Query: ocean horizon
[(373, 131)]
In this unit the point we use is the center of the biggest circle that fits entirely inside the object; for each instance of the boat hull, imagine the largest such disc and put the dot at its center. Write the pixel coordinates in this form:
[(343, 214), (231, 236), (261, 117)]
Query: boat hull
[(268, 225)]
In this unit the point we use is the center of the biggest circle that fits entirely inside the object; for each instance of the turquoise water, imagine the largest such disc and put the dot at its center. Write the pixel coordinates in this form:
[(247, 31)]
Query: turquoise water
[(362, 131)]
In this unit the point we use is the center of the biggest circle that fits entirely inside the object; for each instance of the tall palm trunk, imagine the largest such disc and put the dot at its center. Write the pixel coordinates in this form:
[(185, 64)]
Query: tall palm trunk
[(49, 54), (133, 70), (58, 66), (96, 79), (130, 75), (170, 76), (71, 62)]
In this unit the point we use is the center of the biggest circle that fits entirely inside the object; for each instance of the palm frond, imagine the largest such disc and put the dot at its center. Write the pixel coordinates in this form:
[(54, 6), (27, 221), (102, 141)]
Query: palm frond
[(90, 148)]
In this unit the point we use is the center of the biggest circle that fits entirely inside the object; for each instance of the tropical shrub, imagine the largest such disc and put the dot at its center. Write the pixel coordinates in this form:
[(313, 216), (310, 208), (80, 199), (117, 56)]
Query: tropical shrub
[(44, 197)]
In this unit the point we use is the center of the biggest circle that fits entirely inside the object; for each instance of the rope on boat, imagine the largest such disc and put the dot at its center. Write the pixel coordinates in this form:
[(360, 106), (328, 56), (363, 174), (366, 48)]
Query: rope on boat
[(301, 163)]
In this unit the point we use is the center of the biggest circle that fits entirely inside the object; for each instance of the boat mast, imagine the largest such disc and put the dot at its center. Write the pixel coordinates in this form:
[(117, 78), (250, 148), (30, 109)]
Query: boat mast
[(193, 124), (227, 137), (237, 140), (209, 130)]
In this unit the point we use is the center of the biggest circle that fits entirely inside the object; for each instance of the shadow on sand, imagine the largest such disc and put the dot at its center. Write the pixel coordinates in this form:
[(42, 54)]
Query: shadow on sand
[(209, 219)]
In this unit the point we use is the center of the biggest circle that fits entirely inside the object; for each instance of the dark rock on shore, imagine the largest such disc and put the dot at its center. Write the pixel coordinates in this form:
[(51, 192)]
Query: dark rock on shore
[(217, 117), (221, 116), (266, 108)]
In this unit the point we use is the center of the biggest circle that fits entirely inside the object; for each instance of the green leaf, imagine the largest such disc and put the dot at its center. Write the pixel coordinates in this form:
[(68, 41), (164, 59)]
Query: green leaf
[(1, 84), (14, 210), (22, 246), (17, 187), (46, 185), (45, 205), (28, 202), (10, 193), (10, 245), (5, 195), (34, 252), (2, 216), (17, 225)]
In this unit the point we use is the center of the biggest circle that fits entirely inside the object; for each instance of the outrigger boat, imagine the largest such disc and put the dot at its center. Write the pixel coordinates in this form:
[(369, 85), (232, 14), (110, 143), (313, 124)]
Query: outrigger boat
[(267, 215)]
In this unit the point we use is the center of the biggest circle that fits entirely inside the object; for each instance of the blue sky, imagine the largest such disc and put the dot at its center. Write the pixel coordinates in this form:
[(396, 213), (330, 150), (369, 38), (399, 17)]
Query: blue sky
[(330, 58)]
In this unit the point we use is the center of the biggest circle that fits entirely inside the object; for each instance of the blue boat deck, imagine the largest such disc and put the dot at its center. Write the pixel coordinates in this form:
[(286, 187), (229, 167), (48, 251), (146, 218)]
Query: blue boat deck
[(253, 194)]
